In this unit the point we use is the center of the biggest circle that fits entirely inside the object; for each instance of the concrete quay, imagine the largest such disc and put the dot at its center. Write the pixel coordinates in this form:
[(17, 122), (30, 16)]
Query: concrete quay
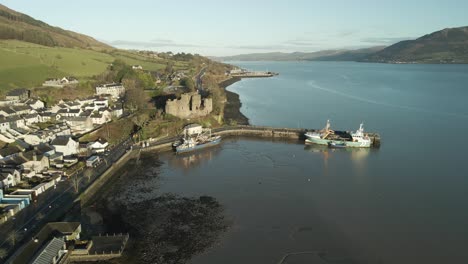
[(252, 131)]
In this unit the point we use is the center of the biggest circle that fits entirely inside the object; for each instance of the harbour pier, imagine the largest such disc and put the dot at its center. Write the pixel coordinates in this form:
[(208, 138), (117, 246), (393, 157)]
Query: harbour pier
[(252, 131)]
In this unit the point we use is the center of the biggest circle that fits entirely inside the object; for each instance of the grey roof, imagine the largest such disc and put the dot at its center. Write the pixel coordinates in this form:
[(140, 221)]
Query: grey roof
[(30, 116), (192, 126), (17, 92), (60, 141), (43, 148), (7, 110), (9, 150), (72, 103), (110, 85), (75, 118), (86, 113), (49, 252), (21, 107), (31, 101), (13, 118), (46, 114), (25, 254)]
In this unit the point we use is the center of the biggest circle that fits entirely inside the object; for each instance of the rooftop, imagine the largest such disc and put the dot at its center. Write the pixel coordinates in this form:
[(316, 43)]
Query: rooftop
[(60, 141), (17, 92), (49, 252)]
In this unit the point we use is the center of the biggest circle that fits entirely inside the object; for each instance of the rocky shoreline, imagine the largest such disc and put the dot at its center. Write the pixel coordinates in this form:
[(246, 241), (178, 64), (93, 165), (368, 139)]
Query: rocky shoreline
[(163, 227), (232, 113)]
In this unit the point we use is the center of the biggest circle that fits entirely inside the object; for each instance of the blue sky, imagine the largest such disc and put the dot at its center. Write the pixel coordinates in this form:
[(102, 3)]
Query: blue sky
[(212, 27)]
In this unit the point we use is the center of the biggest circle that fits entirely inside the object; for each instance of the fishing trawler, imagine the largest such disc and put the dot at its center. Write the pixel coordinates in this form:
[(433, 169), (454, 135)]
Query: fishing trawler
[(332, 138), (195, 137)]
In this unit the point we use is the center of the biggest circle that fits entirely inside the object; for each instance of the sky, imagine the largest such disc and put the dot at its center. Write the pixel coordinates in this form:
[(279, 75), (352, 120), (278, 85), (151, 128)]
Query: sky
[(221, 28)]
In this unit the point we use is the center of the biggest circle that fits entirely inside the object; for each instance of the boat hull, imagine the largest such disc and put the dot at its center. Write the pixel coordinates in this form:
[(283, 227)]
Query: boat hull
[(349, 144), (181, 149)]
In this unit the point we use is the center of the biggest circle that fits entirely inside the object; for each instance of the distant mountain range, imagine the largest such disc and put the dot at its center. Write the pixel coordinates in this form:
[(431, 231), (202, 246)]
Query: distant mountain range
[(445, 46), (449, 45), (15, 25), (324, 55)]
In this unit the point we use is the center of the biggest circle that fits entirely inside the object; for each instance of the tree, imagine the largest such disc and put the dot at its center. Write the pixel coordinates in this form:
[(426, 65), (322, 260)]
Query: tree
[(140, 121), (75, 180), (14, 237), (3, 253), (136, 99), (88, 174), (188, 83), (169, 68)]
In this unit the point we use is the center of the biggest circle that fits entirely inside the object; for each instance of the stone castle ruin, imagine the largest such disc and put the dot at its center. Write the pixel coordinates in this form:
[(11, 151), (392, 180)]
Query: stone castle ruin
[(190, 105)]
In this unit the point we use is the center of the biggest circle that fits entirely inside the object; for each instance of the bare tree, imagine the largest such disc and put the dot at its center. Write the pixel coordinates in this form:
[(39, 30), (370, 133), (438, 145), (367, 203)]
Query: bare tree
[(3, 253), (14, 237), (75, 180), (140, 120), (88, 174)]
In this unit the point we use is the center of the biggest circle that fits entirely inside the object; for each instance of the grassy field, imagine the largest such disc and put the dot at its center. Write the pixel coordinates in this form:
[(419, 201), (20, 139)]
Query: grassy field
[(28, 65)]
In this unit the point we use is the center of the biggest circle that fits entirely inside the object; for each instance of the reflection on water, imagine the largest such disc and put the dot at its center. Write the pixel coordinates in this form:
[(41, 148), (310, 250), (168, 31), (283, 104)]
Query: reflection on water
[(357, 155), (190, 160)]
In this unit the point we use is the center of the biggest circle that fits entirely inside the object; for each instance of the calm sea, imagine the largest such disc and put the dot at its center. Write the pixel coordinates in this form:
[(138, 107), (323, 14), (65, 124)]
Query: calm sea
[(406, 202)]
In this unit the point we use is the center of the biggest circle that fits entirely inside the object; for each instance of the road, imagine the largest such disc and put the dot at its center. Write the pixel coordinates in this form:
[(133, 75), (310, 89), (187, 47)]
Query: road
[(55, 202), (198, 79)]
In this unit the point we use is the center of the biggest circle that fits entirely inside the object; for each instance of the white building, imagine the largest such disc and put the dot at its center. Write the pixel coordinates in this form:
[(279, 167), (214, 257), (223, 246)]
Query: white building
[(116, 90), (9, 178), (52, 82), (35, 103), (65, 145), (98, 146)]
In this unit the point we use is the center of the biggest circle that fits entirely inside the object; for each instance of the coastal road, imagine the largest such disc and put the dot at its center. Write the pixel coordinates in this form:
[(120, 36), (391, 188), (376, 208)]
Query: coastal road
[(55, 202), (198, 79)]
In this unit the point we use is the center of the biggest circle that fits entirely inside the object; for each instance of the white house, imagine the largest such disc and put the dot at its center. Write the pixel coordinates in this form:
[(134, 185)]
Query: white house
[(17, 95), (15, 121), (137, 67), (98, 119), (101, 102), (29, 161), (79, 124), (22, 109), (116, 90), (117, 111), (68, 113), (55, 82), (85, 101), (9, 177), (98, 146), (4, 124), (58, 107), (65, 145), (31, 119), (45, 116), (35, 103), (7, 111)]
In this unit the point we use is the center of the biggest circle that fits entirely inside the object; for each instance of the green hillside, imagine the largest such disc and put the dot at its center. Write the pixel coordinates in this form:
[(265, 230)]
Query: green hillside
[(15, 25), (449, 45), (28, 65)]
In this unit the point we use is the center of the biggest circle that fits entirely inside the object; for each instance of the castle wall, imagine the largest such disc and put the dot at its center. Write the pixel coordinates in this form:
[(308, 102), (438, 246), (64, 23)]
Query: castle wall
[(189, 105)]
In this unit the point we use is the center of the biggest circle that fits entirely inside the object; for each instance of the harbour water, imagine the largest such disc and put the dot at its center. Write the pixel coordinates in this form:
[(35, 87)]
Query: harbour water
[(403, 203)]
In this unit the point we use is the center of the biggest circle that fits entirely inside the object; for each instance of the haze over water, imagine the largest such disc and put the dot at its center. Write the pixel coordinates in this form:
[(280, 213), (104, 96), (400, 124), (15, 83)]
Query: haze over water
[(403, 203)]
